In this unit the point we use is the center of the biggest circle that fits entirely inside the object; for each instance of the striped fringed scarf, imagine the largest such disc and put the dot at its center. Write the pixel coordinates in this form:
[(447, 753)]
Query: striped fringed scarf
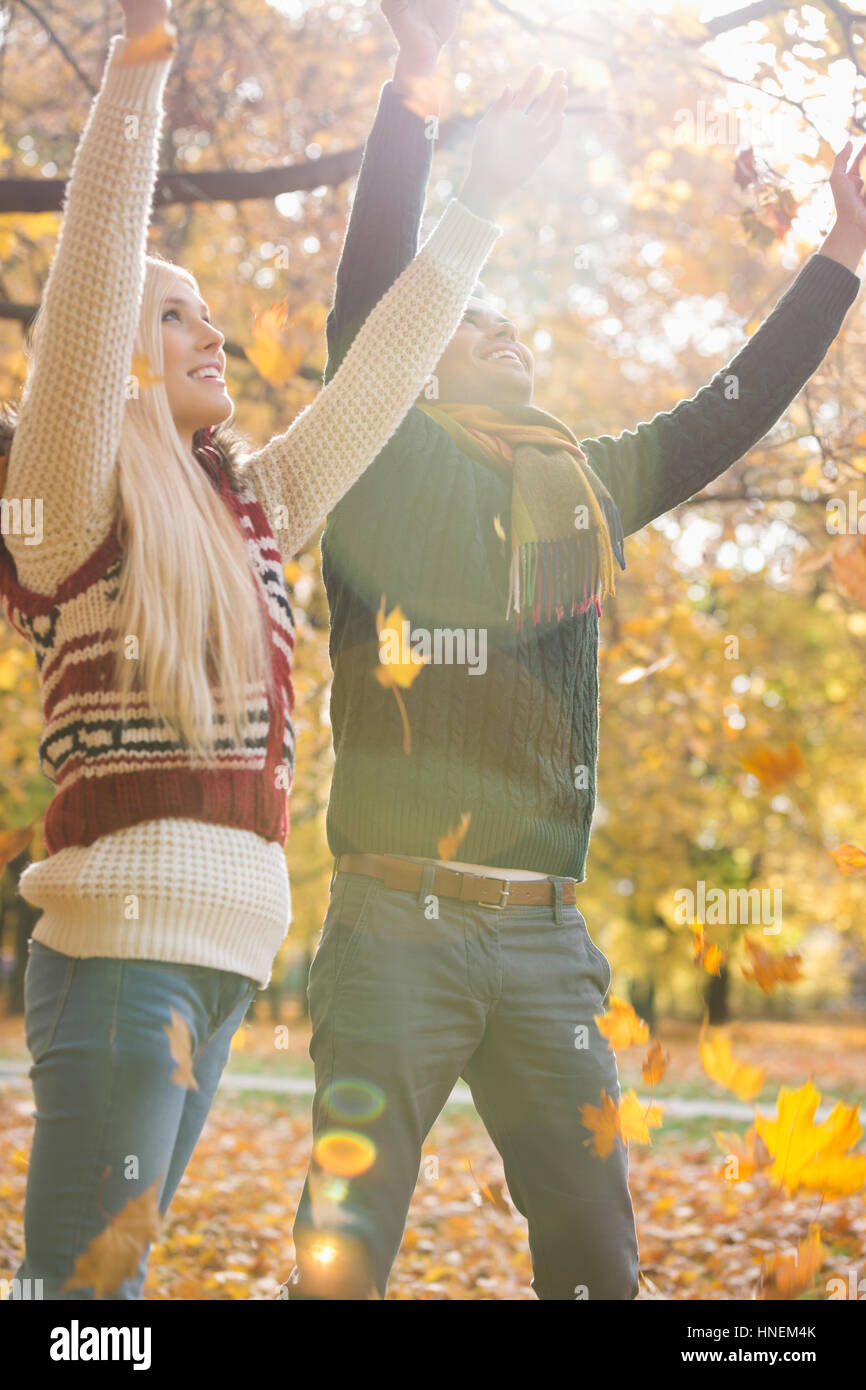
[(565, 526)]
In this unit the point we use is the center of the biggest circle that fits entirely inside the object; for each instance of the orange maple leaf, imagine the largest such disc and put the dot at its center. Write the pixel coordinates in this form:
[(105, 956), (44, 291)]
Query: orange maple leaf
[(849, 859), (602, 1121), (771, 767), (768, 970), (447, 845), (281, 341), (156, 45), (392, 674), (114, 1254), (751, 1153), (12, 842), (180, 1042), (621, 1025), (654, 1064), (707, 953)]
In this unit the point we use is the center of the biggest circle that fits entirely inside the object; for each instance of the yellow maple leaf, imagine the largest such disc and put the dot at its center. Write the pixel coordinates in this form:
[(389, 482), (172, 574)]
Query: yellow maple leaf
[(768, 970), (717, 1060), (396, 672), (281, 341), (621, 1025), (707, 953), (114, 1254), (633, 1122), (391, 674), (142, 372), (809, 1155), (180, 1042)]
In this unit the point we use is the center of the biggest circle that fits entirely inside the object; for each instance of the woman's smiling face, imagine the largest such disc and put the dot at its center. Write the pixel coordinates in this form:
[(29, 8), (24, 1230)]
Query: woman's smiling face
[(485, 363), (194, 363)]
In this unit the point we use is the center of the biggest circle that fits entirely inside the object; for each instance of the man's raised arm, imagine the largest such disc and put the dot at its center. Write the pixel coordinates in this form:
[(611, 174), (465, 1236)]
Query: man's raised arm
[(385, 221), (668, 459)]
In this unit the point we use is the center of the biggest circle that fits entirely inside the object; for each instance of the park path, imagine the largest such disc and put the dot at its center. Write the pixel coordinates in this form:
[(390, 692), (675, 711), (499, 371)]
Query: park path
[(13, 1075)]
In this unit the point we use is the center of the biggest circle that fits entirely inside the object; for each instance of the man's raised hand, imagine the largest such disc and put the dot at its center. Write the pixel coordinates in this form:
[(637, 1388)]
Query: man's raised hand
[(421, 28), (512, 140)]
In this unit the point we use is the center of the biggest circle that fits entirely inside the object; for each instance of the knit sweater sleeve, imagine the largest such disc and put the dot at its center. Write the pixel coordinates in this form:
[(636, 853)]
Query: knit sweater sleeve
[(302, 473), (68, 432), (668, 459), (384, 224)]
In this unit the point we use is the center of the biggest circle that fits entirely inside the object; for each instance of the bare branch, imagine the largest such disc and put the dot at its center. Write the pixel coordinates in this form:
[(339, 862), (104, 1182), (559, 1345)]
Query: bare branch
[(228, 185), (59, 45)]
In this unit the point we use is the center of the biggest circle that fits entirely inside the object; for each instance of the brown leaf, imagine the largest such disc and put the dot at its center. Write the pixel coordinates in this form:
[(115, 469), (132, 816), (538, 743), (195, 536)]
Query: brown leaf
[(113, 1255)]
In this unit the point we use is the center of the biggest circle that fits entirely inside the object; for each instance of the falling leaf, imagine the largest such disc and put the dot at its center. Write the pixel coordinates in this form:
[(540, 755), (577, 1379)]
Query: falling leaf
[(603, 1124), (654, 1064), (633, 1122), (154, 46), (751, 1152), (494, 1193), (114, 1254), (768, 970), (621, 1025), (745, 172), (809, 1155), (744, 1079), (771, 767), (447, 845), (848, 563), (707, 953), (786, 1276), (393, 674), (402, 673), (12, 842), (180, 1043), (849, 859), (281, 341), (427, 94), (141, 371)]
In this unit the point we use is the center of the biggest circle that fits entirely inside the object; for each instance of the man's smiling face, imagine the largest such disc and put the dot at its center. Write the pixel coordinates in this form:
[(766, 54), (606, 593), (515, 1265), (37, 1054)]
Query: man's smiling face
[(485, 364)]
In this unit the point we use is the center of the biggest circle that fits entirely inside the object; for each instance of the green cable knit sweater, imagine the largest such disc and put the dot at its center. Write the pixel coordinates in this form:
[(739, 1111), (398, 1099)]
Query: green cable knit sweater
[(418, 528)]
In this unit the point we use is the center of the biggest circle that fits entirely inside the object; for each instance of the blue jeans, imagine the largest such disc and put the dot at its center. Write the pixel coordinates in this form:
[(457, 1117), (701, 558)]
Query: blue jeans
[(403, 1002), (111, 1119)]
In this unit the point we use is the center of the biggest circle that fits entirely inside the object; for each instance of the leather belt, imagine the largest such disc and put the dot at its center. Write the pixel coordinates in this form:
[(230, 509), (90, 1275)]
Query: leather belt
[(494, 893)]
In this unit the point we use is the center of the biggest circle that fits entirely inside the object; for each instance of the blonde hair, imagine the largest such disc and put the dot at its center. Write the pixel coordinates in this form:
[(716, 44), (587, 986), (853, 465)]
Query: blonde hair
[(188, 591)]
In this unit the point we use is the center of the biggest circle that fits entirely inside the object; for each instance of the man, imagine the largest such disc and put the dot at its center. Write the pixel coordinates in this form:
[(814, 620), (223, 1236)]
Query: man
[(463, 790)]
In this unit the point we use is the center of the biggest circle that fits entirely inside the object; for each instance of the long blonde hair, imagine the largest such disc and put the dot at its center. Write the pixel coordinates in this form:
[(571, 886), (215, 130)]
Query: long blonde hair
[(188, 592)]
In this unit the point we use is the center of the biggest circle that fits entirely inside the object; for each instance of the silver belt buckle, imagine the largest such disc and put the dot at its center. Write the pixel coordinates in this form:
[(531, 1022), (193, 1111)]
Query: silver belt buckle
[(503, 897)]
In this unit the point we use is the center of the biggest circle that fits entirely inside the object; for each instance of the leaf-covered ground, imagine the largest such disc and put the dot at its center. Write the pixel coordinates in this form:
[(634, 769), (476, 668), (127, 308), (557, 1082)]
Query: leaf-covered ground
[(228, 1234)]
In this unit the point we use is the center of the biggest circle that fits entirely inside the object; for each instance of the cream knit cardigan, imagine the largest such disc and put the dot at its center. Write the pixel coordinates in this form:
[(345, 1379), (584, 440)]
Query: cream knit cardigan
[(209, 895)]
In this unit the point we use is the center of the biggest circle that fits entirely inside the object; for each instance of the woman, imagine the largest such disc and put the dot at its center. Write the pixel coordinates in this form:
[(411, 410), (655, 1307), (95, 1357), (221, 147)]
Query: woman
[(153, 594)]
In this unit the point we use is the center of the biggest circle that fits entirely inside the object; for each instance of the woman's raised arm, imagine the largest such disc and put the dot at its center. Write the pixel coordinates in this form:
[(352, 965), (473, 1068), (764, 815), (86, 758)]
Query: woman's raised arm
[(66, 440)]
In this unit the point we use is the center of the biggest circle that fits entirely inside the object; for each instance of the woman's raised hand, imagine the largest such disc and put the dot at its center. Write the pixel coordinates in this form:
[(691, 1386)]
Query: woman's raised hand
[(142, 16), (512, 140)]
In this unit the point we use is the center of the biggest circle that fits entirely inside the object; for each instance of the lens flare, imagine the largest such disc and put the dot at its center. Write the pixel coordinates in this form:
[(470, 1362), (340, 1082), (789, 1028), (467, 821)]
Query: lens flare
[(353, 1100), (344, 1153)]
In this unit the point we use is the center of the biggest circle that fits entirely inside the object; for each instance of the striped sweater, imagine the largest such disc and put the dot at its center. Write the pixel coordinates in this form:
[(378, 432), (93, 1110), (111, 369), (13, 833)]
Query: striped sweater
[(151, 856)]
